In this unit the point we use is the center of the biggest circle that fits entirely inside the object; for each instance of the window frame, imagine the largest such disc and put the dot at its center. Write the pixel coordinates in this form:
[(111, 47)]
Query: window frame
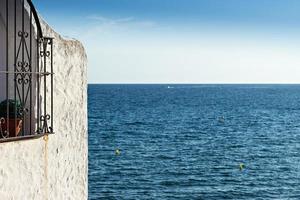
[(31, 70)]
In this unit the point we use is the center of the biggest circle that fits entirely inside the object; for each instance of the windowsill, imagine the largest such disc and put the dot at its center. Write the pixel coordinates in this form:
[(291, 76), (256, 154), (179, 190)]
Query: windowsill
[(22, 138)]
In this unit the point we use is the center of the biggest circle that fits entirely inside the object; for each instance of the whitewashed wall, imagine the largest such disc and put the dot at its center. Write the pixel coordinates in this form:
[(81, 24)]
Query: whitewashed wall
[(54, 167)]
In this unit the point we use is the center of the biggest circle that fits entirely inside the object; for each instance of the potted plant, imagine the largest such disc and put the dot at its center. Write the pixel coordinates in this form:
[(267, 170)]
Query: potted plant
[(15, 116)]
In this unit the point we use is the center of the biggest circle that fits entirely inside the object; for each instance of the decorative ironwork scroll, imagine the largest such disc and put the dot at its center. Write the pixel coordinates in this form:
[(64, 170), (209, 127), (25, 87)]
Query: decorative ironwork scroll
[(3, 133)]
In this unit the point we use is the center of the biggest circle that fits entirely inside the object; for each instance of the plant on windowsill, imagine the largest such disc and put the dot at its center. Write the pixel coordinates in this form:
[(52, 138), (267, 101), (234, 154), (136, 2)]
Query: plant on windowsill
[(15, 116)]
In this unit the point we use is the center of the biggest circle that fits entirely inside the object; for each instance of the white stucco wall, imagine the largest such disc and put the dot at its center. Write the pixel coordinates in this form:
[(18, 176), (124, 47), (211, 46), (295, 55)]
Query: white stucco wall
[(54, 167)]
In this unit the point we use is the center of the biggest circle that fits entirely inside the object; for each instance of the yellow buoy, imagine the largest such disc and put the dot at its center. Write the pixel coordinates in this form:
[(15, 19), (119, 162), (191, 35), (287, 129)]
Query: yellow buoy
[(118, 152), (242, 166)]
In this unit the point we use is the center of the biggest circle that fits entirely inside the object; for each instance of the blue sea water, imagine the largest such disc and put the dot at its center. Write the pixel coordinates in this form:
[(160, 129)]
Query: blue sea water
[(188, 141)]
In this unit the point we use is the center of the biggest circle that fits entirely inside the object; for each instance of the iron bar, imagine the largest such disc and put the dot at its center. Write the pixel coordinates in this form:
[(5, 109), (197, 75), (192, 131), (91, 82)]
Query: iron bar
[(7, 75), (15, 63), (51, 62), (40, 73), (38, 84), (45, 81), (23, 41), (30, 71)]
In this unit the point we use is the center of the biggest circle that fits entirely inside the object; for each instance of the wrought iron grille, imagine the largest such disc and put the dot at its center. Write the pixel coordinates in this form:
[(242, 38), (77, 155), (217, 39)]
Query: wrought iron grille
[(26, 73)]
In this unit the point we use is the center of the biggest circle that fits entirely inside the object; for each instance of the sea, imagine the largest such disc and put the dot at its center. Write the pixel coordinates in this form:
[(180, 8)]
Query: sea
[(194, 142)]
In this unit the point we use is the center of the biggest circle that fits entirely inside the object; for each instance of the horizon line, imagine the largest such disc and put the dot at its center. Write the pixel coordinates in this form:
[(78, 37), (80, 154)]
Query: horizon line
[(124, 83)]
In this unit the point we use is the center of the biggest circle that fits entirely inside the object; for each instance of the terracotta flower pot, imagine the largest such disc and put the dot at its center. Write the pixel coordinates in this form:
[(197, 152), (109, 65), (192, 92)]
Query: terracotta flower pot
[(15, 127)]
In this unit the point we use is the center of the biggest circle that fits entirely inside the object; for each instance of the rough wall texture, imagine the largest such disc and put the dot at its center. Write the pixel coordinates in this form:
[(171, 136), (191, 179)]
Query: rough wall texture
[(54, 167)]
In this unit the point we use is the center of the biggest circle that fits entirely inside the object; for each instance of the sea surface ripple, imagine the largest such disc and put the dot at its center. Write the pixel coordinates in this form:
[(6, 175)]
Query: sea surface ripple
[(188, 141)]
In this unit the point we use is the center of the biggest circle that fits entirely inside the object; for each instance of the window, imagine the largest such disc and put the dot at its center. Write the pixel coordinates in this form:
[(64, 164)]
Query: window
[(26, 73)]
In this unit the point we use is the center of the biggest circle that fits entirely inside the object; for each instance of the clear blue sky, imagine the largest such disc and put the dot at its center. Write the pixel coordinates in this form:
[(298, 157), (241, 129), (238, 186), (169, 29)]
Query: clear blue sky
[(183, 41)]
